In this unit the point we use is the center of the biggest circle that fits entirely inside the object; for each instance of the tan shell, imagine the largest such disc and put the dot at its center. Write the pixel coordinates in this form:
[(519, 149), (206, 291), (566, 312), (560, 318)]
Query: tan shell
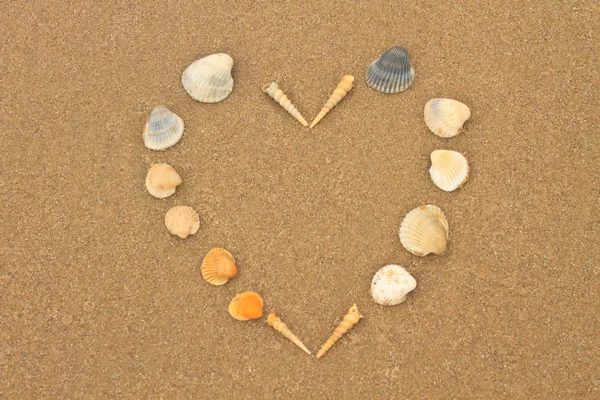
[(445, 117), (163, 129), (282, 328), (208, 79), (277, 94), (424, 230), (162, 180), (338, 94), (449, 169), (218, 267), (391, 284), (350, 319), (182, 221), (245, 306)]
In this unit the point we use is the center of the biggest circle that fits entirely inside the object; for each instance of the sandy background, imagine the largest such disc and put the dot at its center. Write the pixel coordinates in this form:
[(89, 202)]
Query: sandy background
[(98, 300)]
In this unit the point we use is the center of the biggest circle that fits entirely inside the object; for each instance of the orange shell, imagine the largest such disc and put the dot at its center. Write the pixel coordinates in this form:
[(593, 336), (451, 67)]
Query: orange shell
[(246, 305), (218, 266)]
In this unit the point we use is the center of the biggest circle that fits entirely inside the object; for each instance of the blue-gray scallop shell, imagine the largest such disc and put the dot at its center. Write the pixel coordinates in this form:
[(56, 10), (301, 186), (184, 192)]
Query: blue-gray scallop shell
[(391, 72)]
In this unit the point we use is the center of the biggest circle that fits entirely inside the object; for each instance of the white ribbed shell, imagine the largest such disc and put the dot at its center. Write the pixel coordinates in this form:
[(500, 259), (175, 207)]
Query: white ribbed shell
[(391, 284), (209, 79), (424, 230), (445, 117), (449, 169), (163, 129)]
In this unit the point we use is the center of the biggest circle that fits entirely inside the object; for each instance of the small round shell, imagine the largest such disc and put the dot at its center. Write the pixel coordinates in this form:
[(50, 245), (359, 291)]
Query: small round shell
[(218, 266), (245, 306), (449, 169), (445, 117), (162, 180), (391, 284), (182, 221), (391, 72), (163, 129), (424, 230), (208, 79)]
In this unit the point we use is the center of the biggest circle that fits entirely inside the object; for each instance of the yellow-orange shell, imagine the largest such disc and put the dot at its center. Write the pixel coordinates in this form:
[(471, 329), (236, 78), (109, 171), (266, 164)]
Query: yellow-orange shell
[(245, 306), (218, 266)]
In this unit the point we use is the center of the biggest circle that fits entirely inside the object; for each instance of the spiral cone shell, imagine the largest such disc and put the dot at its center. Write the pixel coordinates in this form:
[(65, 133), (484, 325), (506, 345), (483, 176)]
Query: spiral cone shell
[(162, 180), (350, 319), (218, 267), (424, 230), (282, 328), (163, 129), (182, 221), (338, 94), (277, 94), (449, 169)]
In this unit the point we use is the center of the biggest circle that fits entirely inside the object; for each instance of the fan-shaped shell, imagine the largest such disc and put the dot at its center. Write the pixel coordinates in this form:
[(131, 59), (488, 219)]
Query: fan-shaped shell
[(209, 79), (182, 221), (391, 284), (391, 72), (445, 117), (163, 129), (162, 180), (245, 306), (449, 169), (424, 230), (218, 266)]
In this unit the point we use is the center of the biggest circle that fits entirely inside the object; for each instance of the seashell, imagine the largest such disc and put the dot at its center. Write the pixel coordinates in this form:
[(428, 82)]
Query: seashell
[(391, 284), (163, 129), (424, 230), (350, 319), (218, 266), (449, 169), (391, 72), (282, 328), (445, 117), (209, 79), (245, 306), (182, 221), (162, 180), (277, 94), (338, 94)]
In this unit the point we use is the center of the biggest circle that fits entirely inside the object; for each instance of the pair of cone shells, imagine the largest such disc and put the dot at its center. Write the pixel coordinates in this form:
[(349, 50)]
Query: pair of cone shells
[(424, 230), (208, 79), (338, 94)]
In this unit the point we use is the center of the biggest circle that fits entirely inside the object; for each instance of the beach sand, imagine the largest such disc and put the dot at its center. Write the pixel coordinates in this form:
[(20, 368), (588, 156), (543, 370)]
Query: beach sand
[(98, 300)]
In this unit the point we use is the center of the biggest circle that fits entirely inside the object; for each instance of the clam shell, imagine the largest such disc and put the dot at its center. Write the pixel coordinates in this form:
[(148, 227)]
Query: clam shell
[(391, 284), (424, 230), (449, 169), (445, 117), (218, 266), (245, 306), (209, 79), (182, 221), (391, 72), (162, 180), (163, 129)]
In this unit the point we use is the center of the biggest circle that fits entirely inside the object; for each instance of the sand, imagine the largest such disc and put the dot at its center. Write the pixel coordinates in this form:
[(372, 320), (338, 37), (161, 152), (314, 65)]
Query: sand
[(98, 300)]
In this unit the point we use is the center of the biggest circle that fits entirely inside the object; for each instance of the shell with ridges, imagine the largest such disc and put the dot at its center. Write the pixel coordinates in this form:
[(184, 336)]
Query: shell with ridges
[(282, 328), (350, 319), (445, 117), (392, 72), (163, 129), (391, 284), (162, 180), (449, 169), (424, 230), (338, 94), (218, 267), (182, 221), (245, 306), (208, 79), (277, 94)]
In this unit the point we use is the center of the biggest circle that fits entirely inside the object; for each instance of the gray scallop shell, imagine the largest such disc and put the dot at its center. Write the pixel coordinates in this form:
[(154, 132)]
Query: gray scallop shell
[(163, 129), (391, 72)]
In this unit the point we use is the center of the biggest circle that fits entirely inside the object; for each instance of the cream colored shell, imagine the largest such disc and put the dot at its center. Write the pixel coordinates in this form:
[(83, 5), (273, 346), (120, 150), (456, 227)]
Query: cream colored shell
[(274, 321), (350, 319), (424, 230), (445, 117), (277, 94), (391, 284), (338, 94), (163, 129), (208, 79), (182, 221), (449, 169), (162, 180)]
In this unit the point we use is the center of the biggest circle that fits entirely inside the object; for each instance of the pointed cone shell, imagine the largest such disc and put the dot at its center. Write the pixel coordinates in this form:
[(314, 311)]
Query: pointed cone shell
[(338, 94), (277, 94), (445, 117), (208, 79), (245, 306), (449, 169), (162, 180), (282, 328), (391, 72), (424, 230), (350, 319), (218, 266), (391, 284), (163, 129), (182, 221)]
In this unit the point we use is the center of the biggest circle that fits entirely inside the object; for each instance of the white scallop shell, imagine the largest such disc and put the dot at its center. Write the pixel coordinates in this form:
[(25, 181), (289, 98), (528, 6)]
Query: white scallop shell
[(445, 117), (209, 79), (163, 129), (162, 180), (449, 169), (424, 230), (391, 284)]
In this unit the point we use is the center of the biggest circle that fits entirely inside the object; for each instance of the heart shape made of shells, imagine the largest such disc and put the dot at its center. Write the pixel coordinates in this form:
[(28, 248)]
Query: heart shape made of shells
[(423, 230)]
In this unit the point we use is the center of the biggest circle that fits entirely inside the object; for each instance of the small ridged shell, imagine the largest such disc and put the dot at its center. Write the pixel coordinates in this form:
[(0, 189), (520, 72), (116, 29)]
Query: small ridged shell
[(162, 180), (449, 169), (245, 306), (445, 117), (424, 230), (182, 221), (163, 129), (209, 79), (391, 72), (391, 284), (338, 94), (218, 266)]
